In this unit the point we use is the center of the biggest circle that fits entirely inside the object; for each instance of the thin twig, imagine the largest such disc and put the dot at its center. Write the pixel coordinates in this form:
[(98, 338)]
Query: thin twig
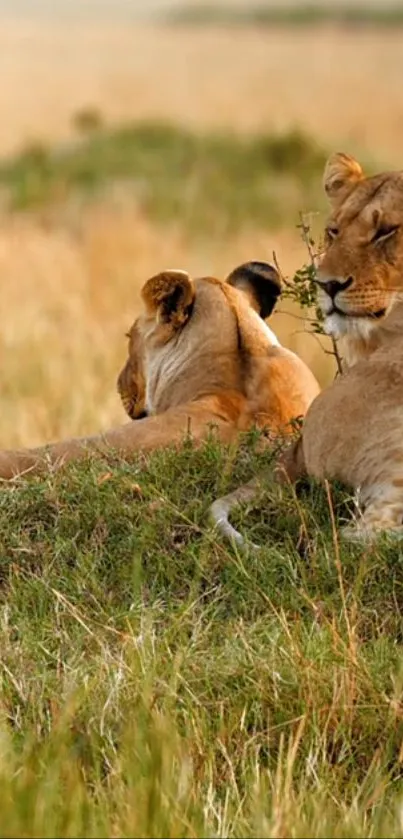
[(283, 278), (307, 239), (303, 289)]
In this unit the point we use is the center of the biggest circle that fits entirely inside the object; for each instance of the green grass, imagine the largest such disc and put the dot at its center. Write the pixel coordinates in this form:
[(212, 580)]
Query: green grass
[(290, 14), (211, 182), (157, 683)]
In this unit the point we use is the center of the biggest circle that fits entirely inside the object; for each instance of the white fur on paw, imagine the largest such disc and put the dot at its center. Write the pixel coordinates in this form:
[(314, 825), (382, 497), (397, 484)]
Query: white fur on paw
[(358, 533)]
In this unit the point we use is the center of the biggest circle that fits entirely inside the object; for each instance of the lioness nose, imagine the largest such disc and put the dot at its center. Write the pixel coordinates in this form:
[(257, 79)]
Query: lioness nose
[(332, 287)]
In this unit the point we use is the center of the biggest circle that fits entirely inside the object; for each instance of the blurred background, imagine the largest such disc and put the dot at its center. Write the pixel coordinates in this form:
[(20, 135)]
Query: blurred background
[(141, 134)]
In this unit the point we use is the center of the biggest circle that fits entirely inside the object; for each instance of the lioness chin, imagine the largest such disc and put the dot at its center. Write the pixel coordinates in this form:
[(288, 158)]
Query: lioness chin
[(353, 431)]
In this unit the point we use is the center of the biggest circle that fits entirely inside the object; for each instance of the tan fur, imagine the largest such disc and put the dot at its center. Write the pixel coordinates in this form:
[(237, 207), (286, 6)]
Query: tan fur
[(353, 430), (200, 354)]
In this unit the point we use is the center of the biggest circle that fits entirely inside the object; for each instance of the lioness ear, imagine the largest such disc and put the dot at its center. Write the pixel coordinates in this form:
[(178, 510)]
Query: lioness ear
[(341, 173), (261, 282), (169, 296)]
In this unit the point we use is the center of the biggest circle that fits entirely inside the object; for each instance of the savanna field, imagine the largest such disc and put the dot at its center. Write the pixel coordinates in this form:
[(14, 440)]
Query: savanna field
[(155, 681)]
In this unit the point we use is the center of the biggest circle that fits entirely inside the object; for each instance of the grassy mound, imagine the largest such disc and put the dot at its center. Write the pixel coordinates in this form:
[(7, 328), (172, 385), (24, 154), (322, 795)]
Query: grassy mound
[(157, 683)]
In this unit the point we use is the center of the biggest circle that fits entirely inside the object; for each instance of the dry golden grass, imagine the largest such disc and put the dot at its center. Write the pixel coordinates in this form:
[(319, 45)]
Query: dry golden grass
[(340, 86), (68, 294)]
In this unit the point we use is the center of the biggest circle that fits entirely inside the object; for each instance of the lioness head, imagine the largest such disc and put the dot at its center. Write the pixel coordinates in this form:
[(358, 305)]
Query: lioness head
[(188, 340), (361, 272)]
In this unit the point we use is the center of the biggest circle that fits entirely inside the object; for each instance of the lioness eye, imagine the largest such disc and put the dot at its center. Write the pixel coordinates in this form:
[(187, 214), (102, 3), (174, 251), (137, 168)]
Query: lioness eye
[(332, 232), (384, 232)]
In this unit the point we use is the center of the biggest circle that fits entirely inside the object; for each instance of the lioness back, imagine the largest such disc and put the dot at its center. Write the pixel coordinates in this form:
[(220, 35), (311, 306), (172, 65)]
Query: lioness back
[(200, 356)]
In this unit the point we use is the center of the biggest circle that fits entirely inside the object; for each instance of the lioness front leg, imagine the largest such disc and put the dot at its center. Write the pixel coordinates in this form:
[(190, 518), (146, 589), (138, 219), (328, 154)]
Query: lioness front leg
[(288, 468), (144, 435)]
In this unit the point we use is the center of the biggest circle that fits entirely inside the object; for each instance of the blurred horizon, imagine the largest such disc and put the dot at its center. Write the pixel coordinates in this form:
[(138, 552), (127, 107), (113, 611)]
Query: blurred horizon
[(138, 9)]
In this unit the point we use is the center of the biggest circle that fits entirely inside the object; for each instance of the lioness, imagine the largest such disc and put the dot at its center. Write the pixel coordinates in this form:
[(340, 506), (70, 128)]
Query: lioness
[(353, 430), (200, 354)]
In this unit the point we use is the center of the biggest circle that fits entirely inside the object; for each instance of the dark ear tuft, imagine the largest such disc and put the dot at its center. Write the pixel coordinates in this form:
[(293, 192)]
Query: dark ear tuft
[(261, 282), (169, 296)]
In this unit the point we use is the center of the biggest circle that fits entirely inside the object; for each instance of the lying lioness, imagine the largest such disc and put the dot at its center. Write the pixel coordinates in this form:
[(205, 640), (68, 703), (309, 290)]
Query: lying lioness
[(353, 431), (200, 354)]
